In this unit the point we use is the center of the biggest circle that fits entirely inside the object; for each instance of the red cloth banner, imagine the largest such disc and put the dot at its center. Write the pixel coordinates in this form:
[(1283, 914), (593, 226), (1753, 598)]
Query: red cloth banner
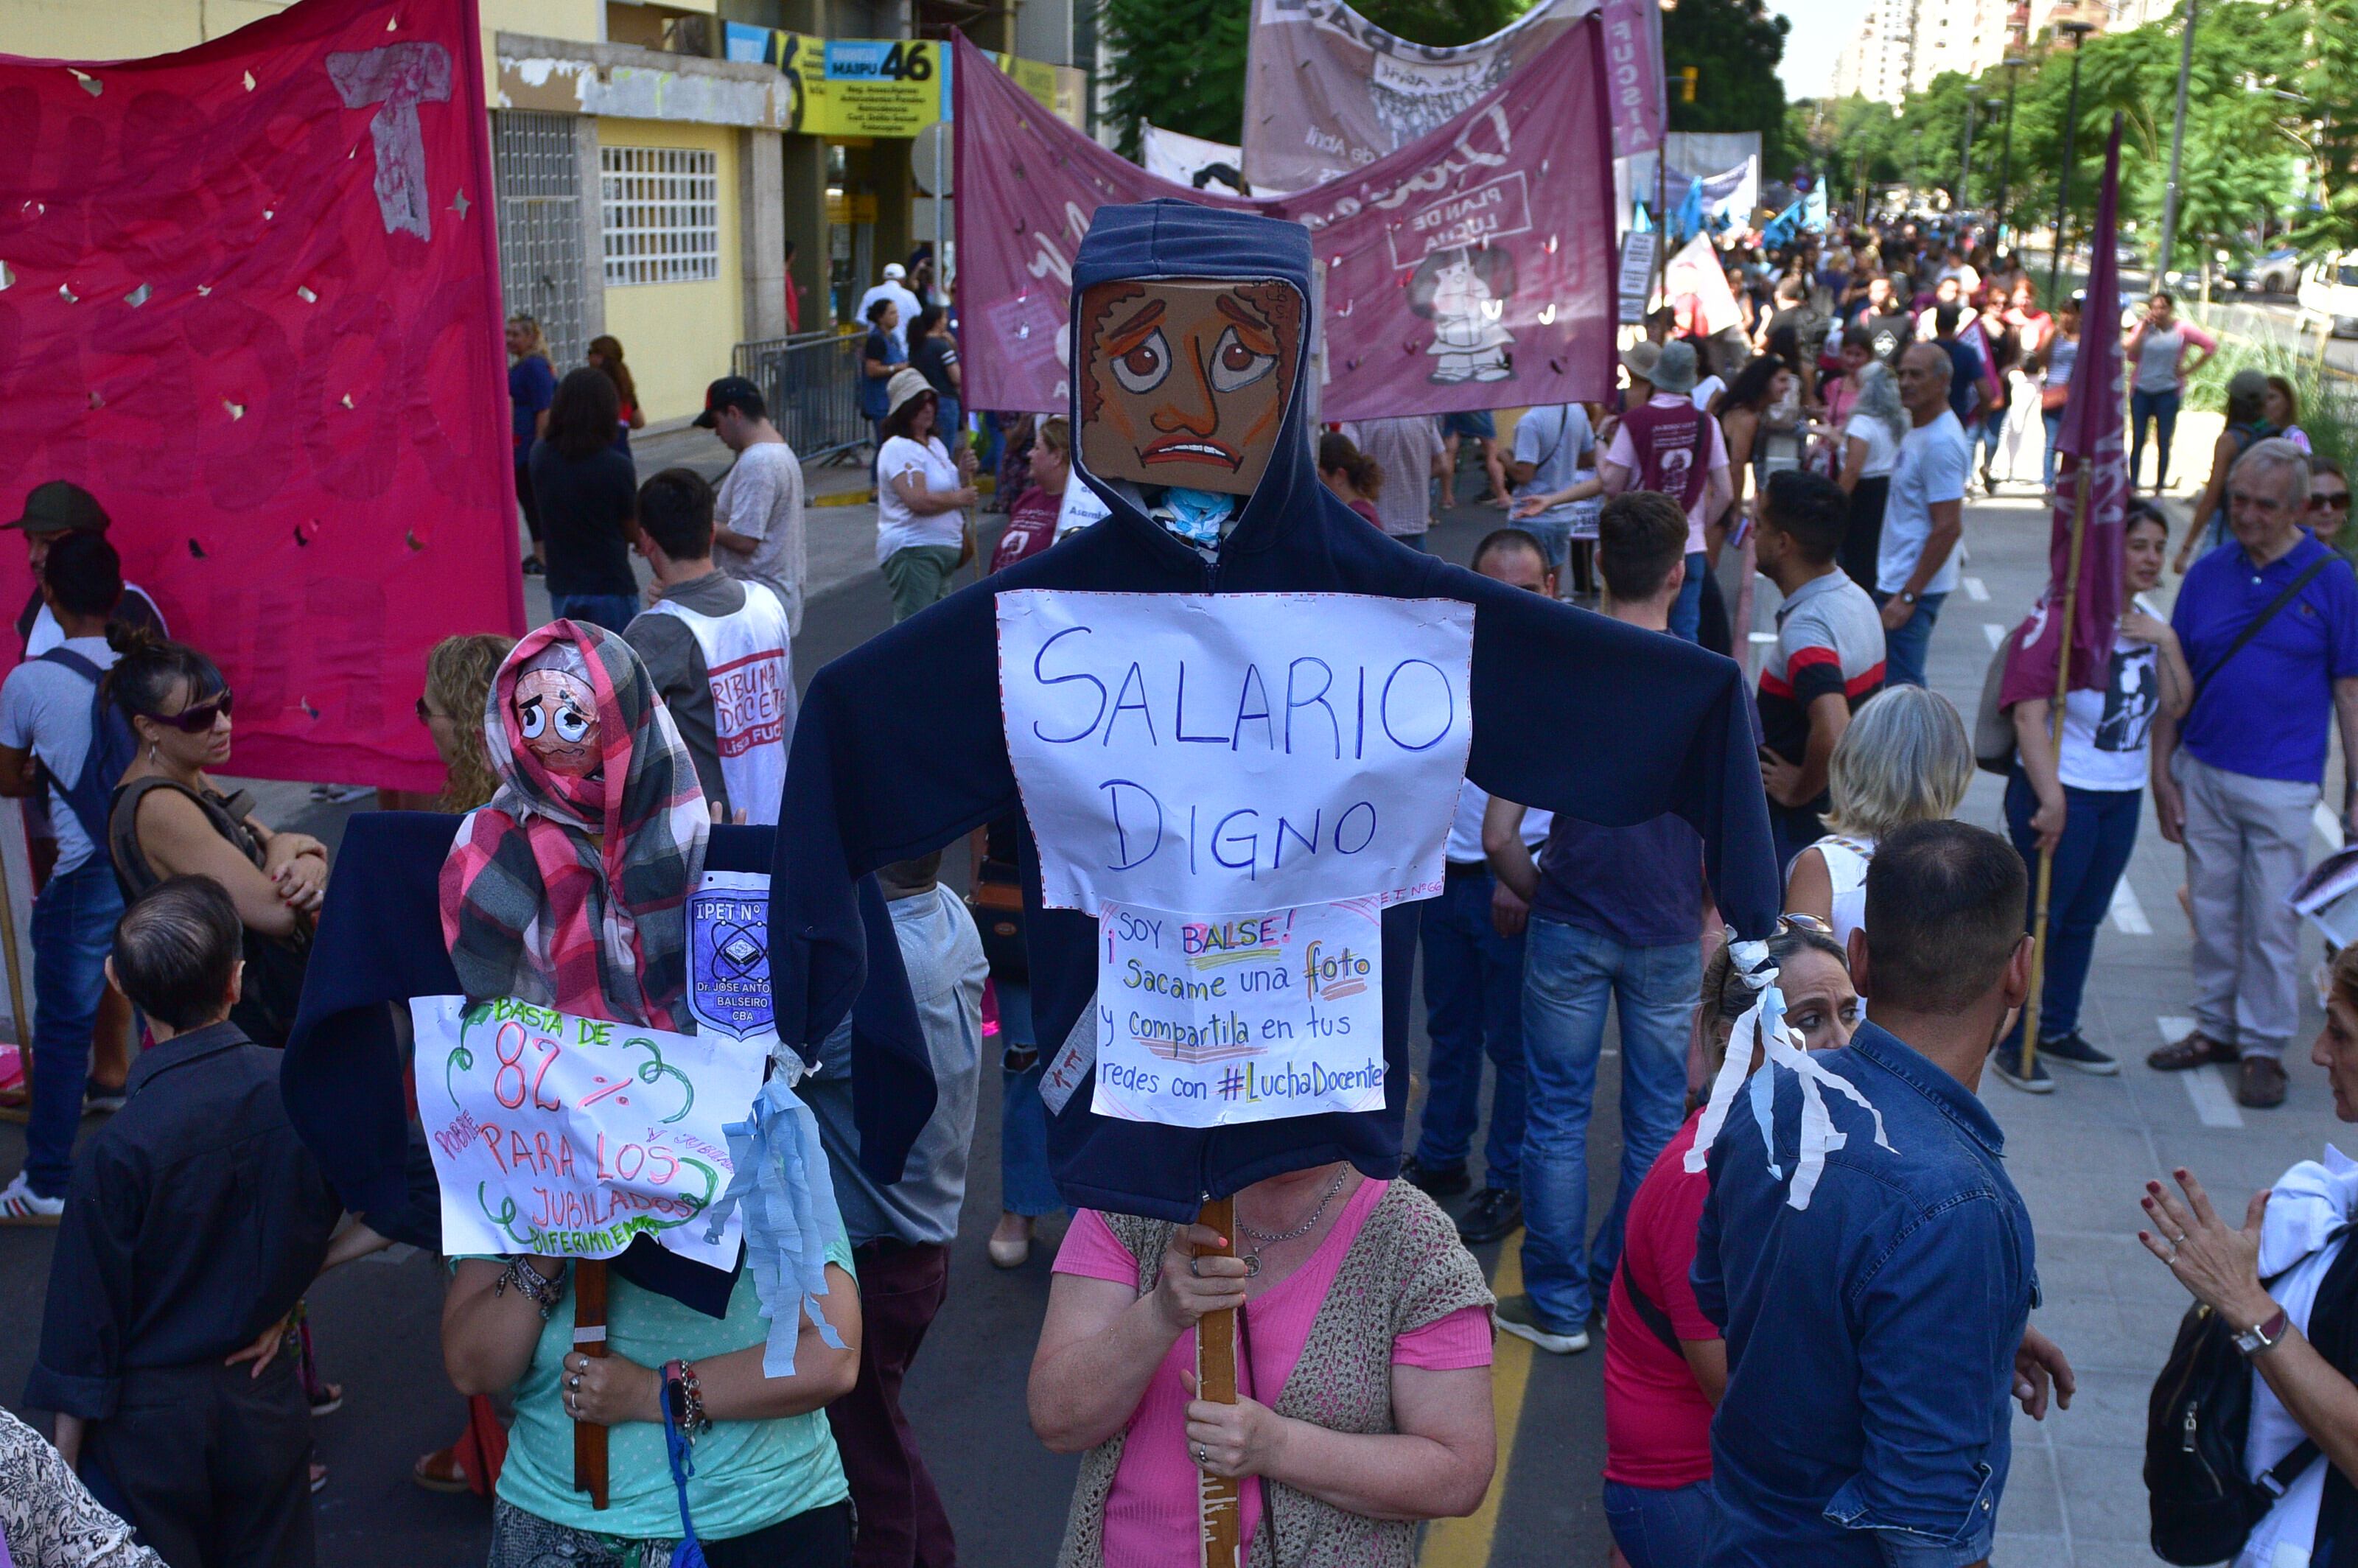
[(1472, 268), (249, 299), (2089, 441)]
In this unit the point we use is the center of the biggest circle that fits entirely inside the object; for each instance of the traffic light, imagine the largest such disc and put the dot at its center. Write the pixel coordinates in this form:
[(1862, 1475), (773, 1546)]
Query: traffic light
[(1687, 74)]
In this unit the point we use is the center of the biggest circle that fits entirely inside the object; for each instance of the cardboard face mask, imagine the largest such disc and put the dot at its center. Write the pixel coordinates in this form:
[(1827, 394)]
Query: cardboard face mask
[(1184, 381), (557, 714)]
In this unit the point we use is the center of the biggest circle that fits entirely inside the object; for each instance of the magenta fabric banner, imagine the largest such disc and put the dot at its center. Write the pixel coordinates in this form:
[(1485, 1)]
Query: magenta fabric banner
[(1633, 68), (249, 300), (1471, 269), (2091, 441)]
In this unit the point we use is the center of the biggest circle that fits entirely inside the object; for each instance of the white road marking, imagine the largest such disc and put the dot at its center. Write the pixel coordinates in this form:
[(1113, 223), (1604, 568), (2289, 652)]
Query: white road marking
[(1994, 632), (1976, 590), (2329, 826), (2215, 1102), (2128, 914)]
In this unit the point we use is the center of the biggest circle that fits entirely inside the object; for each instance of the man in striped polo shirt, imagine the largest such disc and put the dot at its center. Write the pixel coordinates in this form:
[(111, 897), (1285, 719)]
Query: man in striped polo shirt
[(1829, 651)]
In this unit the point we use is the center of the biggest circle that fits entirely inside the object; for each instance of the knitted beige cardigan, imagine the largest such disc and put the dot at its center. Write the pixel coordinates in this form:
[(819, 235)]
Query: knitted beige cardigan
[(1406, 1268)]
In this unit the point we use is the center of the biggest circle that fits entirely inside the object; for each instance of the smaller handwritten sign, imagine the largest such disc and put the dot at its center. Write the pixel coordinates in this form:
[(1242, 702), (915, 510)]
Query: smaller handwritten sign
[(569, 1137), (1203, 1021)]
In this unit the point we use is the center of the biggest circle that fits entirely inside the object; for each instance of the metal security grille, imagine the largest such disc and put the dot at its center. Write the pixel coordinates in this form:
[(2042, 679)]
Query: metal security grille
[(662, 210), (534, 163)]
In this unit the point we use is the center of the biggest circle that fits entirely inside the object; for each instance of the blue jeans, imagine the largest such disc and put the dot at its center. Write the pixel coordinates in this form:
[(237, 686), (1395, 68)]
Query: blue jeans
[(2161, 408), (611, 611), (1686, 611), (1661, 1526), (1473, 1007), (74, 930), (2053, 420), (1569, 975), (1985, 437), (1023, 1183), (2100, 829), (1904, 650)]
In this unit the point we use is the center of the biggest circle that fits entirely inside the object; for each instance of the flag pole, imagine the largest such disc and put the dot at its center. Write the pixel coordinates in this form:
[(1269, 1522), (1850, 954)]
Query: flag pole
[(1219, 1499), (2084, 467)]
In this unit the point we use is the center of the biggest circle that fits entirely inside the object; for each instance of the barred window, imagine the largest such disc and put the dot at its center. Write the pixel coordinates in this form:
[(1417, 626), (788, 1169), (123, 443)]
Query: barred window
[(661, 209)]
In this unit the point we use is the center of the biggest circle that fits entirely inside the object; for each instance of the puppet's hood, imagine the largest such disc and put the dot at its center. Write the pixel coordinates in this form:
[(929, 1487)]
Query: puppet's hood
[(1170, 238)]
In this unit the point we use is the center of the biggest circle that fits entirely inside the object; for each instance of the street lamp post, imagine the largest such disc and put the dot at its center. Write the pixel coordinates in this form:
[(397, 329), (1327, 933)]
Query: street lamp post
[(1965, 157), (2177, 149), (2077, 31), (2005, 147)]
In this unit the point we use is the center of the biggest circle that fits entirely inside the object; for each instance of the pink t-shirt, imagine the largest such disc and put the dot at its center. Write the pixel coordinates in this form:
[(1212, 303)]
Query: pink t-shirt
[(1151, 1513), (1657, 1421), (1623, 455)]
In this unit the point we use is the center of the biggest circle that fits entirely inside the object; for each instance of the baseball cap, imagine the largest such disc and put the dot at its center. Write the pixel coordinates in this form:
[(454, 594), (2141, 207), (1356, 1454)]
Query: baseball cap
[(894, 272), (60, 506), (730, 392)]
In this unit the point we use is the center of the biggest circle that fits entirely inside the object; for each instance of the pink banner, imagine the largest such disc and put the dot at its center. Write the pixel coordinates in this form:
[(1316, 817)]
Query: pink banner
[(1633, 69), (1472, 269), (249, 299), (2091, 441)]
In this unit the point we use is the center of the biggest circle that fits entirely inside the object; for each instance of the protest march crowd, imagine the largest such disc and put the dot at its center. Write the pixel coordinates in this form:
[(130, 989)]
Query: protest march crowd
[(812, 913)]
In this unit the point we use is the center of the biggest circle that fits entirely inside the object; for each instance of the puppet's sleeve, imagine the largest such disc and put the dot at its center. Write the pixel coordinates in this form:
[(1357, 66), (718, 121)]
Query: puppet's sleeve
[(1615, 725)]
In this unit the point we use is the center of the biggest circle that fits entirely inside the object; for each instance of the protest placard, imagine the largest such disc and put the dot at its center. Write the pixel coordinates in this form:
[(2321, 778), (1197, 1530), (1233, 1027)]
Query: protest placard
[(1237, 753), (1209, 1021), (568, 1136)]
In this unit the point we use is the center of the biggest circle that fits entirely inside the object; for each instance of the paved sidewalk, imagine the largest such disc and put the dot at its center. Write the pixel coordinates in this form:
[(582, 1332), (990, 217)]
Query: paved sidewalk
[(2082, 1155)]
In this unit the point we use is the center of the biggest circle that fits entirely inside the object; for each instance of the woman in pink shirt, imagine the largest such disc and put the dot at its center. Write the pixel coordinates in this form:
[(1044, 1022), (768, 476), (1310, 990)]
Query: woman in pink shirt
[(1363, 1375), (1665, 1363)]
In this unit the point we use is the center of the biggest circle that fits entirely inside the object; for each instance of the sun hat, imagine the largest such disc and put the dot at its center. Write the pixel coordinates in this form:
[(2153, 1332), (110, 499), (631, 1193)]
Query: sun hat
[(906, 384)]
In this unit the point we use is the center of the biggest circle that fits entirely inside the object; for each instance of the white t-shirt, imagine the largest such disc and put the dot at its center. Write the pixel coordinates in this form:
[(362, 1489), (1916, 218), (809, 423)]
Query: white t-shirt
[(44, 709), (1080, 507), (897, 527), (47, 633), (1882, 448), (762, 498), (1465, 828), (2107, 733), (1932, 467)]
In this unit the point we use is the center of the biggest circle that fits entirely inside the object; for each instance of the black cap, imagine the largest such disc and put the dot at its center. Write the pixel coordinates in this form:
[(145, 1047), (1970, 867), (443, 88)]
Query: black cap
[(60, 506), (731, 391)]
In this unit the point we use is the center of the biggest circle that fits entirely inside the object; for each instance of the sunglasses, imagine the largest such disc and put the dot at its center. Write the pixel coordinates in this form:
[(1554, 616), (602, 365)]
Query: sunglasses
[(2337, 503), (1809, 923), (198, 717)]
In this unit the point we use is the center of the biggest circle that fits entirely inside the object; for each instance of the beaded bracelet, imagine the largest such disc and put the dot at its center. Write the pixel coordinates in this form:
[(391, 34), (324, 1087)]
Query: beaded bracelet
[(687, 1397), (532, 1286)]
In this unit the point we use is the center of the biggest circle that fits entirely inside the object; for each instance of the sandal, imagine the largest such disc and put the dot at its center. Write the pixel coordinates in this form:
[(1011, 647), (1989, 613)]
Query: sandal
[(2196, 1050), (440, 1471)]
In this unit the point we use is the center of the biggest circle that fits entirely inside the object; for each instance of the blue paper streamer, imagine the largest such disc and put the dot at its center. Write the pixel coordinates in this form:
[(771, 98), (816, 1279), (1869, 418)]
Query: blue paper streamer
[(788, 1197)]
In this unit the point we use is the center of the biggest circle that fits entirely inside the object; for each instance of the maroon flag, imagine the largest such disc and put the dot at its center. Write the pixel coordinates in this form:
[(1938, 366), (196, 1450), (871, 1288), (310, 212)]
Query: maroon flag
[(1473, 268), (2091, 442)]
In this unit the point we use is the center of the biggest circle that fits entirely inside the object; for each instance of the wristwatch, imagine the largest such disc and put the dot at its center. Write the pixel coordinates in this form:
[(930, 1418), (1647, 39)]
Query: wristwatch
[(2266, 1336), (1906, 596)]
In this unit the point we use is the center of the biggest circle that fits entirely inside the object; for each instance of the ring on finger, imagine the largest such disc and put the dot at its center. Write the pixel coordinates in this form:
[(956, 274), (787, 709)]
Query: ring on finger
[(1202, 1456), (1193, 1260)]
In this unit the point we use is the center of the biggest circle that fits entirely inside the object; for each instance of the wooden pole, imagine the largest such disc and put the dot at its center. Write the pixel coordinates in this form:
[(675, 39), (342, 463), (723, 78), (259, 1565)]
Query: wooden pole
[(589, 1338), (2070, 610), (1220, 1498)]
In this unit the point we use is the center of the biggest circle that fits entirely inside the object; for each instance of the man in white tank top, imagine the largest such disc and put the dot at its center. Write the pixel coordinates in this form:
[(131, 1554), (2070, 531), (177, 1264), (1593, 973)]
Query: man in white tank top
[(719, 649)]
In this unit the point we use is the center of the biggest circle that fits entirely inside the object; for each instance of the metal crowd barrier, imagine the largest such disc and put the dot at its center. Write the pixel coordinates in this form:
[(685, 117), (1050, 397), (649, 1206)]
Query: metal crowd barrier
[(812, 384)]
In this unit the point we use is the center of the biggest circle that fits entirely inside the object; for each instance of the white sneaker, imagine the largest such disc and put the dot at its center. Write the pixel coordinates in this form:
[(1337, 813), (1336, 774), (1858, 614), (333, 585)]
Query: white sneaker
[(19, 1205)]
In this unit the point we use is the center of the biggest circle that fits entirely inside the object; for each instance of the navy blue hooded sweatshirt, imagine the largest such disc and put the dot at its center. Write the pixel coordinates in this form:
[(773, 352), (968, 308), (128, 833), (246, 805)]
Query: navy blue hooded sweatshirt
[(899, 749)]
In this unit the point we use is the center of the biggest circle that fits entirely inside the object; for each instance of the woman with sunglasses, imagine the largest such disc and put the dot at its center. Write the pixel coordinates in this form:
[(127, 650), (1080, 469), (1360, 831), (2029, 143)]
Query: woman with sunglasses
[(168, 820), (2328, 516), (1664, 1376)]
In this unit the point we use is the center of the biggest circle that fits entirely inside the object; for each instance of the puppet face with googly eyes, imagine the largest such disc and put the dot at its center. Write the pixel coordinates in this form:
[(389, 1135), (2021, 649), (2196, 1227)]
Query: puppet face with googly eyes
[(557, 714)]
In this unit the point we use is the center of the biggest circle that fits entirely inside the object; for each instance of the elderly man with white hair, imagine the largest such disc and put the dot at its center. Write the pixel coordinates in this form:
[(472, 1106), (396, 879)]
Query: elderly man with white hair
[(2269, 622)]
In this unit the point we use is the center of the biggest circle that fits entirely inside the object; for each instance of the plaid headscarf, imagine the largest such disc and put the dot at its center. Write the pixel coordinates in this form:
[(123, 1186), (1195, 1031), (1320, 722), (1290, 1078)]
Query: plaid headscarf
[(572, 893)]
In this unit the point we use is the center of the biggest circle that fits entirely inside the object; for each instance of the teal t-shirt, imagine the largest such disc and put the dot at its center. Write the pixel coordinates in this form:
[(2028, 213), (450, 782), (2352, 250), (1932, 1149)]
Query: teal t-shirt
[(749, 1474)]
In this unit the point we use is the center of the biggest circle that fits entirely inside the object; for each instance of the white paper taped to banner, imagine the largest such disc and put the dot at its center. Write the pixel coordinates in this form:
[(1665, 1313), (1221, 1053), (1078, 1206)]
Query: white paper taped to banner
[(567, 1136), (1239, 752), (1207, 1023)]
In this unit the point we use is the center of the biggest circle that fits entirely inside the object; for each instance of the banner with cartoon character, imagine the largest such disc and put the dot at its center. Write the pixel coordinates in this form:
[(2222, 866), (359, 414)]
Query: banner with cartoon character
[(1327, 92), (1472, 268)]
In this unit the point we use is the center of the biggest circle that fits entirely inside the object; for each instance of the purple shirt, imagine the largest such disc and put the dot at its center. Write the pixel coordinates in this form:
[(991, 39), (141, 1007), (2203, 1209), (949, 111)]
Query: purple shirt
[(2265, 712)]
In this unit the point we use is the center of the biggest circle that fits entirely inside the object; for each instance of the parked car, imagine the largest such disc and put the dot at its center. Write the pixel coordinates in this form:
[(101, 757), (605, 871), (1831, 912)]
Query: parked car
[(2278, 272), (2328, 294)]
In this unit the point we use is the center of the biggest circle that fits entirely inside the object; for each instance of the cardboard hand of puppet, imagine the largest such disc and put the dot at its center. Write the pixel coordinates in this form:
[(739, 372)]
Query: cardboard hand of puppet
[(1184, 384)]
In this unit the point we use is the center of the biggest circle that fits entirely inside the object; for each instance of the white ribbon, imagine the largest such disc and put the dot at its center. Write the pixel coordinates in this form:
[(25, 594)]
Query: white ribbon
[(1764, 1026), (782, 1178)]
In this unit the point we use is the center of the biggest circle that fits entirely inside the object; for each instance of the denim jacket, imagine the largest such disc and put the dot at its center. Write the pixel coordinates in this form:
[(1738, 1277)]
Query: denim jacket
[(1870, 1336)]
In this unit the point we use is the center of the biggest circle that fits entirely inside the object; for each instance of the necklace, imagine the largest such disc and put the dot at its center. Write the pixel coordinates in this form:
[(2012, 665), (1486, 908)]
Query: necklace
[(1266, 1240)]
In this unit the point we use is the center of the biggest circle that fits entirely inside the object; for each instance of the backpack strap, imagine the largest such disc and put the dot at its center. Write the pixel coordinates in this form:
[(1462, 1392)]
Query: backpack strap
[(69, 659), (1650, 1311)]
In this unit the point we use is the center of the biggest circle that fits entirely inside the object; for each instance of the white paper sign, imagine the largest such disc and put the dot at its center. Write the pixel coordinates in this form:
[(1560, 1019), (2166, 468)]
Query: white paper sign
[(1206, 1022), (567, 1136), (1236, 751)]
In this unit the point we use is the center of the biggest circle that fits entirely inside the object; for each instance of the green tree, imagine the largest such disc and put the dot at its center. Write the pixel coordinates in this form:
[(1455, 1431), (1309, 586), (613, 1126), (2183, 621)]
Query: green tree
[(2330, 82), (1734, 47)]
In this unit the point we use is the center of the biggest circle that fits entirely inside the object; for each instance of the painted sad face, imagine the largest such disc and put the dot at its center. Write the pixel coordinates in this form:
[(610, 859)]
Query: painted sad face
[(556, 713), (1185, 381)]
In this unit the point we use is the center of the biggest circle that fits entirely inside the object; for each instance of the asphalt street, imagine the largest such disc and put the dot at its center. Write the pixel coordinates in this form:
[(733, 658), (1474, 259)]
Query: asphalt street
[(375, 1328)]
